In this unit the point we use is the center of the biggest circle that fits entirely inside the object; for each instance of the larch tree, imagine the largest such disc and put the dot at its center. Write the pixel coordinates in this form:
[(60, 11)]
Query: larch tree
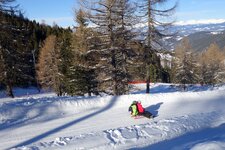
[(110, 19), (48, 65), (154, 18), (212, 65), (124, 34), (5, 5)]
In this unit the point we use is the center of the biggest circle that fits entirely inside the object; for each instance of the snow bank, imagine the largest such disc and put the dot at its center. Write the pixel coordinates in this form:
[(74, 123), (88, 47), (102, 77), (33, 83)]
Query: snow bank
[(214, 145), (186, 120)]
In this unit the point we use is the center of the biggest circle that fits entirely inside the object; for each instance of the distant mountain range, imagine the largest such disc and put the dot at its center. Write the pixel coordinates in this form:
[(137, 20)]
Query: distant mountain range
[(200, 36)]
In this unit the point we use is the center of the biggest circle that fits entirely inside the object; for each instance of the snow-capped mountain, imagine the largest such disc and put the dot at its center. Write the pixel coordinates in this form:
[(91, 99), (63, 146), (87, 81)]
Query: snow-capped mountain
[(200, 35), (185, 30)]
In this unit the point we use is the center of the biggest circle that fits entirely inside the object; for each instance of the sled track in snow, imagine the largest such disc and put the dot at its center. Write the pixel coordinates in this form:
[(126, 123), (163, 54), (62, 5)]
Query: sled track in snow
[(143, 134)]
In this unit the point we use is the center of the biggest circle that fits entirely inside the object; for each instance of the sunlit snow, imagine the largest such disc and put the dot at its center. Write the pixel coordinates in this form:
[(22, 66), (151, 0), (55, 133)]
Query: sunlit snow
[(192, 119)]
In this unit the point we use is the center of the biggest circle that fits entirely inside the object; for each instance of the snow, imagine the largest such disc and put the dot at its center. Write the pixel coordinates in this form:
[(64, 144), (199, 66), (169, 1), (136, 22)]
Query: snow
[(198, 22), (178, 38), (192, 119), (215, 33), (209, 146)]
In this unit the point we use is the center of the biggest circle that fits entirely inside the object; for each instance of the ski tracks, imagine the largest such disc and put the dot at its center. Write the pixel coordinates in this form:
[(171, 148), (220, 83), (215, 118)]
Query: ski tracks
[(134, 136)]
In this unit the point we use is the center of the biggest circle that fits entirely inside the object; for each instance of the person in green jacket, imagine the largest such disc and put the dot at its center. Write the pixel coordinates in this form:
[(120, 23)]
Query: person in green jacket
[(133, 109)]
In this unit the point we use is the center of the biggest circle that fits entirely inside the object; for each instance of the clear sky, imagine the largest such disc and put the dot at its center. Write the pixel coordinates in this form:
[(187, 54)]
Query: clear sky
[(58, 11), (200, 11), (61, 11)]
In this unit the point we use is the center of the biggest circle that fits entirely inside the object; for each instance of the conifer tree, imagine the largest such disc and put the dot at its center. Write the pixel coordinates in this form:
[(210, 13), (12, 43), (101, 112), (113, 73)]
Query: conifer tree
[(185, 64), (156, 29), (20, 41), (5, 5), (111, 20), (212, 65), (4, 41), (67, 57), (124, 35), (82, 76), (15, 55), (48, 65)]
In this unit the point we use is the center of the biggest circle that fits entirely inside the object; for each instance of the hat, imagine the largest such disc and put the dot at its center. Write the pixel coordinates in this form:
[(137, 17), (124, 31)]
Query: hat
[(134, 102)]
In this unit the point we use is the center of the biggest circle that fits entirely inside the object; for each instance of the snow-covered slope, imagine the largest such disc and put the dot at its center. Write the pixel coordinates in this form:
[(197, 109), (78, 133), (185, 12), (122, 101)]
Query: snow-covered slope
[(185, 30), (200, 35), (194, 119)]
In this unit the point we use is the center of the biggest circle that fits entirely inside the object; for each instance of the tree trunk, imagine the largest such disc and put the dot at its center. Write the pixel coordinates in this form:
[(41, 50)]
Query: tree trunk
[(150, 30), (148, 79), (9, 90)]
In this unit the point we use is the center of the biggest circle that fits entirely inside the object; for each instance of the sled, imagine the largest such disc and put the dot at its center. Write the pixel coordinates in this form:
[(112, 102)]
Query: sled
[(138, 117), (145, 115), (148, 115)]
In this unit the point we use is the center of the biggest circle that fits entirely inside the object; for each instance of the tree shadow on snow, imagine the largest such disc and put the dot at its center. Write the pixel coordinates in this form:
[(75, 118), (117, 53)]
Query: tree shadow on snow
[(25, 107), (188, 140), (71, 123), (154, 109)]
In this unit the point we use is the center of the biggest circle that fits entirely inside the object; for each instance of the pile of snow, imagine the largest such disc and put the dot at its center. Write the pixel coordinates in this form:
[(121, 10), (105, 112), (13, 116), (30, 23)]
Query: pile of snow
[(192, 119)]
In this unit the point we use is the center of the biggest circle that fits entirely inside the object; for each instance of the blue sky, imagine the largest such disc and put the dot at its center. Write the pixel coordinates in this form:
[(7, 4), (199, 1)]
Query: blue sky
[(200, 10), (61, 11)]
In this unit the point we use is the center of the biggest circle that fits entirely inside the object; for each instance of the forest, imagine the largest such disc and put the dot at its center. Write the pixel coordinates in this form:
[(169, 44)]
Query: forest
[(113, 43)]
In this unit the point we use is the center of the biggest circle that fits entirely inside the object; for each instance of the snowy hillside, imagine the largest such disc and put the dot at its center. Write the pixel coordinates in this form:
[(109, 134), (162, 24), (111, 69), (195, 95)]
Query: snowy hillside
[(194, 119), (185, 30), (199, 34)]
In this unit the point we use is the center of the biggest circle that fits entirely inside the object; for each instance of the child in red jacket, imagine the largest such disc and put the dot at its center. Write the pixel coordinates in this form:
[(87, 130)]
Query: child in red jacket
[(140, 108), (142, 111)]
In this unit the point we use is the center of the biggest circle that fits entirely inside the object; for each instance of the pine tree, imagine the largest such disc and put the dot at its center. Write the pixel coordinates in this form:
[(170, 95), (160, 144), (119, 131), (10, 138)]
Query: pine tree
[(4, 71), (135, 63), (82, 77), (15, 54), (67, 57)]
